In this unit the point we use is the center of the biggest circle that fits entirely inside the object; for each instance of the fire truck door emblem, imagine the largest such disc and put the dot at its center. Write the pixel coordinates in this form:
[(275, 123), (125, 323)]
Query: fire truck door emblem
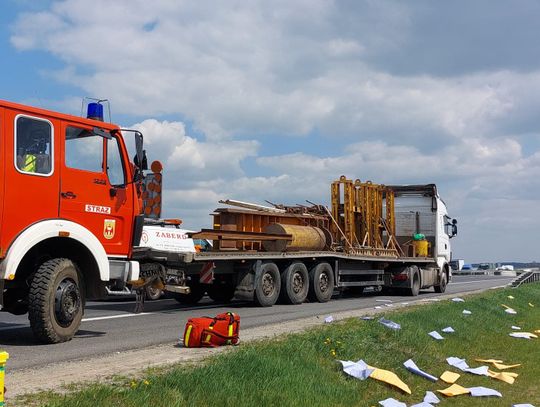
[(109, 228)]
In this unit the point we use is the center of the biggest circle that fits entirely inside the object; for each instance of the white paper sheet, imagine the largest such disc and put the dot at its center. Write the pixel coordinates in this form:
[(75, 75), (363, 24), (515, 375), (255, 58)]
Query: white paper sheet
[(422, 404), (510, 311), (329, 319), (392, 403), (483, 392), (431, 398), (524, 335), (448, 330), (517, 328), (436, 335), (462, 365), (411, 366), (467, 312), (358, 369), (390, 324), (457, 299)]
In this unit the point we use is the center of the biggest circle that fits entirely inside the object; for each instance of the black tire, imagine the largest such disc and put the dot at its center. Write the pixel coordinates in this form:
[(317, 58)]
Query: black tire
[(268, 285), (321, 283), (294, 284), (221, 292), (56, 301), (152, 293), (414, 289), (441, 288), (195, 295)]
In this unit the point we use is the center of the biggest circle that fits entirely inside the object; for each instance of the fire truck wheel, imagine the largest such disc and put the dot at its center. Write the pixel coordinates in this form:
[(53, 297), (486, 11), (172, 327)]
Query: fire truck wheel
[(56, 302), (321, 283), (221, 292), (294, 284), (441, 288), (414, 289), (196, 294), (268, 285)]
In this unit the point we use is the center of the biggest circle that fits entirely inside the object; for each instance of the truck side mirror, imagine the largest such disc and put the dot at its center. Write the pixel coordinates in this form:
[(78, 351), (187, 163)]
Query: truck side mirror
[(454, 227)]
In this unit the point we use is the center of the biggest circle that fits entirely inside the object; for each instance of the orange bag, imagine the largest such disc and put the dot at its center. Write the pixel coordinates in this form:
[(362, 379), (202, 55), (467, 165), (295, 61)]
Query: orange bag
[(223, 329)]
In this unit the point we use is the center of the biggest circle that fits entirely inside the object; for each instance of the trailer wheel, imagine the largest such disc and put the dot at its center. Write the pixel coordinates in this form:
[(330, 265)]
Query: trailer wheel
[(441, 288), (56, 302), (221, 292), (152, 293), (321, 283), (294, 284), (414, 289), (268, 286), (195, 295)]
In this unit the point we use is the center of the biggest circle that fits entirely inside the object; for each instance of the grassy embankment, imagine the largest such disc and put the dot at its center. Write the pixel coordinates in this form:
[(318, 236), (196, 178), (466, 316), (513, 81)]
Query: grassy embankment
[(302, 370)]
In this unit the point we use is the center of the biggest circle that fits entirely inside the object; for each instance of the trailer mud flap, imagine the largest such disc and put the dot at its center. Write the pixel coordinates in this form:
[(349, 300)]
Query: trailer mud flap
[(246, 282)]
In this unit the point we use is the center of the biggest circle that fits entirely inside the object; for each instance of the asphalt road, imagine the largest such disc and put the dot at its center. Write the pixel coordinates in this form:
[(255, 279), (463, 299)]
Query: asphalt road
[(110, 326)]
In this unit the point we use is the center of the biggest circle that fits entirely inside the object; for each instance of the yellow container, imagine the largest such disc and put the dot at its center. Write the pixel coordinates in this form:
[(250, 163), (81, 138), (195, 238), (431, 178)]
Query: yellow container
[(4, 356), (421, 248)]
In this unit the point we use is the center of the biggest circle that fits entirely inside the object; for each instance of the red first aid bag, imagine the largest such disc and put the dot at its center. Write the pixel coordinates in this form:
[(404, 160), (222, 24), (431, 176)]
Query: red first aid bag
[(223, 329)]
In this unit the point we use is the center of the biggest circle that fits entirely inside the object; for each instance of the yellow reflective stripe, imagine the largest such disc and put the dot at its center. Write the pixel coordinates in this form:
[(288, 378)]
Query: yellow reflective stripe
[(188, 332), (29, 163)]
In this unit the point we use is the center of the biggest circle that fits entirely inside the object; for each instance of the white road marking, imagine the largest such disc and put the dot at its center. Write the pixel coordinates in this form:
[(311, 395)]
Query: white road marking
[(116, 316)]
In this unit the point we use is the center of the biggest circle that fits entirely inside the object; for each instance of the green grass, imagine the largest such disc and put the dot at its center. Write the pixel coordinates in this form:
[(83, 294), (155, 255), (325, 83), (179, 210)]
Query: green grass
[(300, 370)]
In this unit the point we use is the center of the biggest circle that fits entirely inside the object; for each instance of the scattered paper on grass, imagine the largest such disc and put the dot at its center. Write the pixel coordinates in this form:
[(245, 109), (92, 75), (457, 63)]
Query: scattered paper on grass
[(457, 299), (431, 398), (404, 303), (483, 392), (454, 390), (450, 377), (489, 360), (412, 367), (388, 305), (517, 328), (524, 335), (522, 405), (422, 404), (390, 324), (510, 311), (448, 330), (510, 297), (462, 365), (467, 312), (329, 319), (531, 305), (378, 307), (392, 403), (498, 364), (506, 377), (359, 370), (537, 331), (436, 335), (389, 377), (366, 318)]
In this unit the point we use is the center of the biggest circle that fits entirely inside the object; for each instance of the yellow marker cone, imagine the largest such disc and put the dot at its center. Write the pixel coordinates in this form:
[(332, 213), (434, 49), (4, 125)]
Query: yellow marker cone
[(4, 356)]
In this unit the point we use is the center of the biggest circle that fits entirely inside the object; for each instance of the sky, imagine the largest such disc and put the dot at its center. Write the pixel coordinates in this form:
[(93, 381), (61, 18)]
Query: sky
[(257, 100)]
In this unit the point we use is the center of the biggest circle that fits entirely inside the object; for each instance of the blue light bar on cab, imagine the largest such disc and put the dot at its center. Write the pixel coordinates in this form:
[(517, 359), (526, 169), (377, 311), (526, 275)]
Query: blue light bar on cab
[(95, 111)]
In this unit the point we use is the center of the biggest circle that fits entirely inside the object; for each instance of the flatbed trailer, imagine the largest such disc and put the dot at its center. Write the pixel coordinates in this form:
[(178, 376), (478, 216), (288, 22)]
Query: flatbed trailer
[(238, 266)]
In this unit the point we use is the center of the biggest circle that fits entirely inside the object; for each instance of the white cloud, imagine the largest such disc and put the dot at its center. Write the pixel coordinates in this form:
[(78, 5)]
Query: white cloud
[(241, 72)]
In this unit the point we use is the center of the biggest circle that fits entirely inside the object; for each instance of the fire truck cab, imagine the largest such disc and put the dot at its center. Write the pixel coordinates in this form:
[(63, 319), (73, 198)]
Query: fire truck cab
[(69, 214)]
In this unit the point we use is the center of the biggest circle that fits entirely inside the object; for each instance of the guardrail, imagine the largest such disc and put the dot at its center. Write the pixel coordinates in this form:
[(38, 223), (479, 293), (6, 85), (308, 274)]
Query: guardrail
[(527, 277)]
